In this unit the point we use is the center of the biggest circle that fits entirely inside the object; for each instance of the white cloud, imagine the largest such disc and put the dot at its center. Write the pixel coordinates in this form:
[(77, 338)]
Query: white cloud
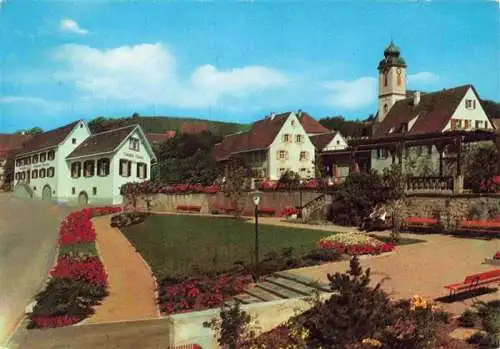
[(40, 102), (351, 94), (148, 74), (71, 26), (423, 78)]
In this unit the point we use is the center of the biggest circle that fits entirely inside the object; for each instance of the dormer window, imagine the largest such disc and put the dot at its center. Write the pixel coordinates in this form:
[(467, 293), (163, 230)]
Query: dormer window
[(134, 144)]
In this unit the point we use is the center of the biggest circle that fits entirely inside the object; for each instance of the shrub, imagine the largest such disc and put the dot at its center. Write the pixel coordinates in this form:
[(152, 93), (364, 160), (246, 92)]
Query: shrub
[(468, 318), (126, 219), (232, 326), (489, 313), (325, 255), (354, 312), (480, 167), (65, 302)]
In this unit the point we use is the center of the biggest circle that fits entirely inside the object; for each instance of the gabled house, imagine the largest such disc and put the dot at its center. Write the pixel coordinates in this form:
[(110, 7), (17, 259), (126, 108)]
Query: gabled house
[(274, 145), (69, 164), (416, 114), (9, 144)]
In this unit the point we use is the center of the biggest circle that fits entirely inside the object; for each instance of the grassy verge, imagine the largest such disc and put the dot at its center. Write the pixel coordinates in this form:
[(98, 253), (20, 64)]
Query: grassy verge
[(174, 245), (87, 249)]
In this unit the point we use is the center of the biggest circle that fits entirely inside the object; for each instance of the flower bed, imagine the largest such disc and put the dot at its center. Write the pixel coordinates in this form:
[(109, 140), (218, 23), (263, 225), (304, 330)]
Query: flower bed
[(311, 184), (150, 187), (481, 224), (354, 244), (78, 280), (289, 211), (201, 293), (422, 221)]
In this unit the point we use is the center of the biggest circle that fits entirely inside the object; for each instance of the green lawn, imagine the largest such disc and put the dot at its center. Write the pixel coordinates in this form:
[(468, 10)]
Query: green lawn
[(176, 244)]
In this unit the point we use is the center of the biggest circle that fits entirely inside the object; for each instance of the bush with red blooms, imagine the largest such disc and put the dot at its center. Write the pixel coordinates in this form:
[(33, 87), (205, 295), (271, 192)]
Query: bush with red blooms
[(356, 249), (89, 270), (77, 284), (200, 293), (497, 255), (288, 211), (150, 187)]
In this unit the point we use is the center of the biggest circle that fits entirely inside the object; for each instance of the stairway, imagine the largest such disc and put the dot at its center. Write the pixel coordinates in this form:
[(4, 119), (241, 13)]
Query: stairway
[(279, 286)]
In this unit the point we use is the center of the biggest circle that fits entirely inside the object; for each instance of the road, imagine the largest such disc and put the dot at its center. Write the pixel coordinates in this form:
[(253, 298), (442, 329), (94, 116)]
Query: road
[(28, 238)]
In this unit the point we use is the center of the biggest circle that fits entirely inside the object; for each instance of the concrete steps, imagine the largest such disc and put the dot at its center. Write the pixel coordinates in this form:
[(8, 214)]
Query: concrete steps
[(279, 286)]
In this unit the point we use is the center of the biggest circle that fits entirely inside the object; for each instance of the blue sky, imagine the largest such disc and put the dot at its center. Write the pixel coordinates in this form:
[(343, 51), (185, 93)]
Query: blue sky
[(234, 61)]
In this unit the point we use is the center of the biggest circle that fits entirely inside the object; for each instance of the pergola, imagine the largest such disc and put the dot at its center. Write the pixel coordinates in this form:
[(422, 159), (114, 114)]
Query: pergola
[(451, 140)]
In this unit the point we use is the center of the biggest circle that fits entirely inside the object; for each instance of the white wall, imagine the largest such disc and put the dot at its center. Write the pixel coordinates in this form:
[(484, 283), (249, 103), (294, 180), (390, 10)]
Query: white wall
[(135, 156), (463, 113), (293, 127), (392, 92), (38, 184), (337, 143), (63, 171)]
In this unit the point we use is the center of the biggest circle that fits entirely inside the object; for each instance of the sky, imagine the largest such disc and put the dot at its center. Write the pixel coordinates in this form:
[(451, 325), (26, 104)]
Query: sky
[(231, 60)]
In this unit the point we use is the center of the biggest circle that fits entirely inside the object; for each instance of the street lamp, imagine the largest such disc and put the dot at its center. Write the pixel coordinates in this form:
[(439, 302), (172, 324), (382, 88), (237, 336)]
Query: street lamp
[(256, 196)]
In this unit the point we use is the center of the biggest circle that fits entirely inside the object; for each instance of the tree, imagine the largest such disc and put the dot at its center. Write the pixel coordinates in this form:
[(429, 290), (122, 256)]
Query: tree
[(235, 183), (479, 166), (30, 131), (290, 178), (355, 310), (348, 128), (98, 124), (9, 172)]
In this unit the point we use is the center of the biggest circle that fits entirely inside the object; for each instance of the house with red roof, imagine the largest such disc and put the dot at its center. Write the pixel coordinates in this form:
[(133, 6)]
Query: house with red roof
[(278, 143), (418, 115), (70, 164), (9, 143)]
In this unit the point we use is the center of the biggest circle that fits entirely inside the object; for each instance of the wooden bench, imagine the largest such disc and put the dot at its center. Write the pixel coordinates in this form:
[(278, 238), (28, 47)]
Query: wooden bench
[(475, 281), (421, 223), (188, 208), (489, 227)]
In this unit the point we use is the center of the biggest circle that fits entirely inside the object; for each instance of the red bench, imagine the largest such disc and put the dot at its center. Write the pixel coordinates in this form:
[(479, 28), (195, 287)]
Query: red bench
[(419, 222), (475, 281)]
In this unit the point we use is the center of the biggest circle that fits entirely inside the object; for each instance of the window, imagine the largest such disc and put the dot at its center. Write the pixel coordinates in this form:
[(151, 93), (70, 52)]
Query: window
[(23, 175), (42, 173), (125, 168), (43, 157), (459, 123), (18, 162), (88, 168), (103, 167), (142, 170), (467, 124), (474, 104), (429, 149), (51, 154), (286, 138), (338, 142), (34, 174), (73, 140), (16, 176), (94, 191), (479, 124), (76, 169), (468, 103), (303, 156), (281, 155), (28, 160), (34, 188), (50, 172), (134, 144), (293, 123), (81, 125), (385, 79), (35, 158), (73, 191), (298, 138), (400, 79), (282, 170)]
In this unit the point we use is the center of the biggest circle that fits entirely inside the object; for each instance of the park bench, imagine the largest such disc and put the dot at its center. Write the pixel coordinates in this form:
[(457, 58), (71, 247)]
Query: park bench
[(188, 208), (487, 227), (474, 281), (421, 223)]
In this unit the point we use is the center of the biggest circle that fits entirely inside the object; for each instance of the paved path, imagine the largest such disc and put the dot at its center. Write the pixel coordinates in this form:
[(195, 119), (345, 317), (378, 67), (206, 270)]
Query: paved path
[(28, 239), (131, 284), (423, 268)]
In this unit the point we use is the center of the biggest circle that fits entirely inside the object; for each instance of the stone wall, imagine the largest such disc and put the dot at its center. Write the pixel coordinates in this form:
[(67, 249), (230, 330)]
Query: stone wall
[(450, 209), (276, 200)]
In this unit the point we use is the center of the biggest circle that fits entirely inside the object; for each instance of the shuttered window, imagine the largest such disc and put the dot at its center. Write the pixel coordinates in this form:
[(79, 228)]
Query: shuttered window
[(103, 167), (125, 168), (142, 170)]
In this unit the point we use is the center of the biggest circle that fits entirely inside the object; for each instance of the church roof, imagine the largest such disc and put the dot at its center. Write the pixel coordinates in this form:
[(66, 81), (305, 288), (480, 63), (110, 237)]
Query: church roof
[(392, 58), (432, 113)]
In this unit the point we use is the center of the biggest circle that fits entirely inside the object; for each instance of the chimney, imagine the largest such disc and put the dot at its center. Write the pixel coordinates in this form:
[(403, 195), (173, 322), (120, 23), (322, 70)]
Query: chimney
[(416, 98), (273, 114), (299, 113)]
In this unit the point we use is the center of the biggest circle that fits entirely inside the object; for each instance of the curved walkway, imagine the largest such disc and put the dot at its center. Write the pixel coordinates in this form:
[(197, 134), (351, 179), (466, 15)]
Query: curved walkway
[(131, 284)]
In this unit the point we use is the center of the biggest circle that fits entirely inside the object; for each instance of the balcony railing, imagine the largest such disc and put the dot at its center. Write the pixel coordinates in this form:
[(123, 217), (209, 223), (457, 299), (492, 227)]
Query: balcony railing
[(429, 184)]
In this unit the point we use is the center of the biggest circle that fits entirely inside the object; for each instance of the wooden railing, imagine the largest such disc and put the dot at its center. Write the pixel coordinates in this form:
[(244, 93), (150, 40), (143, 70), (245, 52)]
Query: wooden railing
[(429, 184)]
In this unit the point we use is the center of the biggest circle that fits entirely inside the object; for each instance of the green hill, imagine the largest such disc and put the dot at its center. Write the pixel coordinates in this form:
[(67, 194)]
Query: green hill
[(160, 124)]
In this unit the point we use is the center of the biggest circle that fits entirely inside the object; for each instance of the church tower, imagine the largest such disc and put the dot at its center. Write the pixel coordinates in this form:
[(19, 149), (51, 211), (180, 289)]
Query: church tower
[(391, 80)]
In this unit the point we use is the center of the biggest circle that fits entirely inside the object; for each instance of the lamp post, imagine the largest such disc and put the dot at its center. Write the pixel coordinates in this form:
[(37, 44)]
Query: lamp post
[(256, 196)]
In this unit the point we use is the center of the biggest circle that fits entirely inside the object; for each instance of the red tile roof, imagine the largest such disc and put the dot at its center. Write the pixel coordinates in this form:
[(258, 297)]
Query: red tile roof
[(320, 141), (262, 134), (434, 111), (48, 139), (310, 124), (10, 142)]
